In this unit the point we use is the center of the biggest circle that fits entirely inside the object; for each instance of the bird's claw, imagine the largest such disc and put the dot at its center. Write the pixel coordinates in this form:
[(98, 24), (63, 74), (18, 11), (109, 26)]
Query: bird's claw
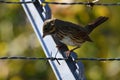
[(68, 53)]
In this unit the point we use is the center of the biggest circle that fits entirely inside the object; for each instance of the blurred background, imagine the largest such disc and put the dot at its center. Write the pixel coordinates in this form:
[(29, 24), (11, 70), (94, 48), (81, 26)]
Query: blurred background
[(17, 38)]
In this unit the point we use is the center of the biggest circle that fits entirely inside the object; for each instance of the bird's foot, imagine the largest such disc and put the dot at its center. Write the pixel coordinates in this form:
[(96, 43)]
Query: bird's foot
[(68, 53)]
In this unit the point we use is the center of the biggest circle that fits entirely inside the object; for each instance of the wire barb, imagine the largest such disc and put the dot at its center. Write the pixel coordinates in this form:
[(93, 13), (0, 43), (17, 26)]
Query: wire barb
[(84, 3), (95, 2), (54, 58)]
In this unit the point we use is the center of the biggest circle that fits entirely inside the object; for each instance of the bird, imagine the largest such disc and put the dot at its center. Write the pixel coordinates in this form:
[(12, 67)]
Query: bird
[(70, 33)]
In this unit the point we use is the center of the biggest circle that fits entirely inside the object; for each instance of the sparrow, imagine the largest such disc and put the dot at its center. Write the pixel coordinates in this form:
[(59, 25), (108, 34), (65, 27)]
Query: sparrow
[(70, 33)]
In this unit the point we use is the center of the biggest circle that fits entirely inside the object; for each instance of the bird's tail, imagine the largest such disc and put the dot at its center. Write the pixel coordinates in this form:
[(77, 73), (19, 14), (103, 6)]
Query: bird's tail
[(95, 23)]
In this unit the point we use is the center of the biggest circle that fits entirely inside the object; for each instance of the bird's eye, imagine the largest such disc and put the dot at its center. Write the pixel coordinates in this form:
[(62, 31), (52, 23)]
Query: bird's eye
[(46, 28)]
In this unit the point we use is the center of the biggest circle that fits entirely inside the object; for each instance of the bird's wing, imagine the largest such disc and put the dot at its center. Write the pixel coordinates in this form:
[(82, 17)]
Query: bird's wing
[(72, 29), (80, 34)]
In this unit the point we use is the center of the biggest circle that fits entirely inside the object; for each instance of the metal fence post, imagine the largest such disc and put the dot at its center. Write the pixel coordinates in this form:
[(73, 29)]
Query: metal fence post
[(68, 69)]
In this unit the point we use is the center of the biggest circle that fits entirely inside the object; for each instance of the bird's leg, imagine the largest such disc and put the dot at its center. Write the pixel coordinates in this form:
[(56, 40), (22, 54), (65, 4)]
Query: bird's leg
[(69, 51), (58, 47)]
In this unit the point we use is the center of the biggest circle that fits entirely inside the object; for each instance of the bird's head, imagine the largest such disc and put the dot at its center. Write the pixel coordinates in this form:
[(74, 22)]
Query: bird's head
[(49, 27)]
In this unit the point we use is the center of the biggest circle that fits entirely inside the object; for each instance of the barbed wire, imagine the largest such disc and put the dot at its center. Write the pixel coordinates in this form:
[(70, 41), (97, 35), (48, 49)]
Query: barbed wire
[(66, 3), (54, 58), (85, 3)]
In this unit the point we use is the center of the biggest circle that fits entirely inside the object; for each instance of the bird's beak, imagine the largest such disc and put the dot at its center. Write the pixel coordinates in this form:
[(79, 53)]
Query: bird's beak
[(43, 35)]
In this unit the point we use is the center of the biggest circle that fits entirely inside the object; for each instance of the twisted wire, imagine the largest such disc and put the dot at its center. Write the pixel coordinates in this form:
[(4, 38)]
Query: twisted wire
[(53, 58), (65, 3), (84, 3)]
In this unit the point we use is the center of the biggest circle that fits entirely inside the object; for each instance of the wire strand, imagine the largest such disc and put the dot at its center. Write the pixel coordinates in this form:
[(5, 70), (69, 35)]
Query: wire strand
[(53, 58), (66, 3), (84, 3)]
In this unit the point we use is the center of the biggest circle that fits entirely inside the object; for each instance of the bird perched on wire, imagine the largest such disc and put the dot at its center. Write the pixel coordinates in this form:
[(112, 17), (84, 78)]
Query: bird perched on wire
[(70, 33)]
